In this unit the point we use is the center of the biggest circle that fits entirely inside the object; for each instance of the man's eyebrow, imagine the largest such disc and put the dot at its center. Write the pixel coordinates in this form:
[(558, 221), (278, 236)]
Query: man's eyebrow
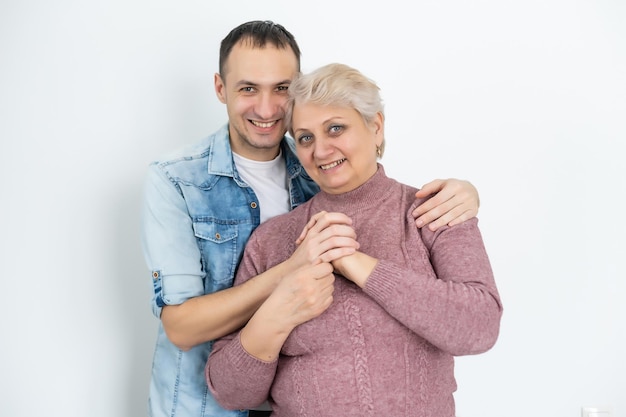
[(251, 83), (244, 82)]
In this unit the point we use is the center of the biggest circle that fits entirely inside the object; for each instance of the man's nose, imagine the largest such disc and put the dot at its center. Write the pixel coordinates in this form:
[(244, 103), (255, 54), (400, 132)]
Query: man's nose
[(270, 105)]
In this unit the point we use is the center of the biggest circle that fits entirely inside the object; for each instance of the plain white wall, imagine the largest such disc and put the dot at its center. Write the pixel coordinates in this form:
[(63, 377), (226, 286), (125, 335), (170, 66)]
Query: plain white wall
[(526, 99)]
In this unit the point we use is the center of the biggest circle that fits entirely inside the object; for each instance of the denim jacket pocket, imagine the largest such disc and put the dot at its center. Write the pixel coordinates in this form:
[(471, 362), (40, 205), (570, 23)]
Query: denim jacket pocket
[(219, 247), (214, 231)]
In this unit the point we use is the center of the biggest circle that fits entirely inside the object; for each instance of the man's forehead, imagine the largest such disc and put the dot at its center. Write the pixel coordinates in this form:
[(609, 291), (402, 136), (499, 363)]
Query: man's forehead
[(261, 65)]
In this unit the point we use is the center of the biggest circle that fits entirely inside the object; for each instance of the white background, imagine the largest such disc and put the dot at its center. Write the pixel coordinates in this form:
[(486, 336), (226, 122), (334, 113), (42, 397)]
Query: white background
[(526, 99)]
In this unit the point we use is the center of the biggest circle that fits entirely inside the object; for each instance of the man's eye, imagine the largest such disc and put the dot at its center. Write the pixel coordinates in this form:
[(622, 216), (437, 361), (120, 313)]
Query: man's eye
[(247, 89), (283, 88)]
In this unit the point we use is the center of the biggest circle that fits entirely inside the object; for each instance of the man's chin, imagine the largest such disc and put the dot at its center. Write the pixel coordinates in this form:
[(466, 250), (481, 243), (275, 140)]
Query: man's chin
[(267, 141)]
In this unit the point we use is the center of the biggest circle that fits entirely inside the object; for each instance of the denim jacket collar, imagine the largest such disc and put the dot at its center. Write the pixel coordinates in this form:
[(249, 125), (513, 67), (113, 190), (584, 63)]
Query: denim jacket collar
[(220, 160)]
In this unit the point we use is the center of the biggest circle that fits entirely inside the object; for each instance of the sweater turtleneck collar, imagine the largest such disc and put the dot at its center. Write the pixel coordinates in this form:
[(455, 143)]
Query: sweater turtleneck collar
[(363, 197)]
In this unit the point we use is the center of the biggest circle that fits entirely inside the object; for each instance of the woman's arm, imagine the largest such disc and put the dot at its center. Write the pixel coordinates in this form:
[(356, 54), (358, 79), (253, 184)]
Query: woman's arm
[(241, 367), (455, 305)]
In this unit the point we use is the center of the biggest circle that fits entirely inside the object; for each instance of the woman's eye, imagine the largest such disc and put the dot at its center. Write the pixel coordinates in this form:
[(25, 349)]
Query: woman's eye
[(305, 139), (335, 129)]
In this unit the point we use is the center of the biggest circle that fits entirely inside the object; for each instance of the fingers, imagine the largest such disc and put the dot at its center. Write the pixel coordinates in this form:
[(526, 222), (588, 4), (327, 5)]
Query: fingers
[(319, 271), (317, 287), (337, 253), (455, 202), (327, 237), (440, 194), (309, 226), (334, 241), (326, 248), (433, 209), (431, 188), (450, 213), (322, 220), (305, 294), (455, 216)]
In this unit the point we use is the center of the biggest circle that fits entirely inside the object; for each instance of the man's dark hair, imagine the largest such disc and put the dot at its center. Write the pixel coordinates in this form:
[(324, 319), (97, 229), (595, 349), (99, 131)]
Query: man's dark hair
[(259, 33)]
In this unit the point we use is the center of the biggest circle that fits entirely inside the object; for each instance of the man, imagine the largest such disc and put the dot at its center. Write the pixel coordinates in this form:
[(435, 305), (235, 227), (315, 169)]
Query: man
[(202, 203)]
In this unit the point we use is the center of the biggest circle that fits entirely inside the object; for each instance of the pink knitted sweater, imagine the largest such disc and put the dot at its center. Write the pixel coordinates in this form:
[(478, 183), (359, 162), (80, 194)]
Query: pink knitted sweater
[(385, 350)]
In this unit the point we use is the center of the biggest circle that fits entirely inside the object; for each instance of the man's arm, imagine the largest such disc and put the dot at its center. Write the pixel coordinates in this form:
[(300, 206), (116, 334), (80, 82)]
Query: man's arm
[(207, 317), (189, 316), (454, 202), (242, 366)]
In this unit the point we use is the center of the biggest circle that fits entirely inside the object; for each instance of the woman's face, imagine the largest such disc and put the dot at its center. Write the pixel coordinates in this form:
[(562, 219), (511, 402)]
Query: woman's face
[(335, 146)]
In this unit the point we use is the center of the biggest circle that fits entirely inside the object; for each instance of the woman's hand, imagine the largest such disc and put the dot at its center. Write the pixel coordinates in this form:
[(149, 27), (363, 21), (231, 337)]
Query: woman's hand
[(356, 267), (326, 237)]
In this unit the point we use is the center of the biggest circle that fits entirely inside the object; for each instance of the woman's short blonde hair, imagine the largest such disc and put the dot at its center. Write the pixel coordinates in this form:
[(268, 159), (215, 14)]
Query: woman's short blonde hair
[(337, 85)]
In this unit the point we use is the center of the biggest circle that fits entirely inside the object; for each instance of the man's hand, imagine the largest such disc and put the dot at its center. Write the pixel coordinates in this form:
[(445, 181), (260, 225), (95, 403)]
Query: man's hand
[(301, 296), (298, 298), (455, 201)]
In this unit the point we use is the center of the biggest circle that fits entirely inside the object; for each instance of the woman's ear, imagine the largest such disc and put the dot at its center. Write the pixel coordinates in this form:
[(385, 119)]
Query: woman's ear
[(379, 124)]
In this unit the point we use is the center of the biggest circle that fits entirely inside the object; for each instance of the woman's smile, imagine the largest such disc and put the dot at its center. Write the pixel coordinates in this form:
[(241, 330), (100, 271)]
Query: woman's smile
[(332, 164)]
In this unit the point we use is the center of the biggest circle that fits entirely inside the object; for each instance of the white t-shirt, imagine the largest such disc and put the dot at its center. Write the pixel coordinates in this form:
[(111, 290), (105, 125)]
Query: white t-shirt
[(268, 179)]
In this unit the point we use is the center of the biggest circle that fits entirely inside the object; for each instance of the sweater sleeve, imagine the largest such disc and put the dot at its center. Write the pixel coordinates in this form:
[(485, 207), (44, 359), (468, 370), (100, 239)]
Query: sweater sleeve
[(455, 305), (237, 379)]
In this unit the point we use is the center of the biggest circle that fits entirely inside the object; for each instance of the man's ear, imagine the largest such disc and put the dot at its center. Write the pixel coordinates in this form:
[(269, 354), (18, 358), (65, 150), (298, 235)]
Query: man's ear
[(220, 88)]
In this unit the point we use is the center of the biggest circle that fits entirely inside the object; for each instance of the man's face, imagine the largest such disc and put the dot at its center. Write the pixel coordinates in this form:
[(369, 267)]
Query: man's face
[(254, 89)]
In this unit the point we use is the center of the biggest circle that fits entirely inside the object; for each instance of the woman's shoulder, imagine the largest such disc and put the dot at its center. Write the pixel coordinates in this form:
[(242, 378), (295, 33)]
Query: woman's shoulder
[(287, 223)]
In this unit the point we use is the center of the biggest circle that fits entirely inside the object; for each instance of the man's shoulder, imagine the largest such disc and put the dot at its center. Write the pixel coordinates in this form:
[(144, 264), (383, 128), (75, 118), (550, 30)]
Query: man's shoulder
[(195, 150), (198, 162)]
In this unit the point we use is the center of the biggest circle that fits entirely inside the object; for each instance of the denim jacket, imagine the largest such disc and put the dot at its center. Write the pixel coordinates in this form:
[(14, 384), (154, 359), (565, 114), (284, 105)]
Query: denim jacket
[(197, 217)]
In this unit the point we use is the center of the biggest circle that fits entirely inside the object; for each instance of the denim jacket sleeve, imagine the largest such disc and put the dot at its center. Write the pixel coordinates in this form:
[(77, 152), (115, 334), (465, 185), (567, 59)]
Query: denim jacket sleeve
[(169, 243)]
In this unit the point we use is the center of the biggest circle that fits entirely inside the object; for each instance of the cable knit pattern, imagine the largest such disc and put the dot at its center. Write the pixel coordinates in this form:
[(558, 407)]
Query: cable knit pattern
[(299, 388), (355, 328), (387, 349)]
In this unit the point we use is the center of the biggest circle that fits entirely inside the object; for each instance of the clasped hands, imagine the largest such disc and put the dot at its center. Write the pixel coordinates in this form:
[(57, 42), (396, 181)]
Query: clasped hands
[(330, 237), (327, 244)]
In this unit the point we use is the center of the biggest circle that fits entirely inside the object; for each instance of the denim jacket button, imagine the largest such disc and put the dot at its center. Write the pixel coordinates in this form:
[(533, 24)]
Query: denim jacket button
[(155, 275), (253, 205), (218, 236)]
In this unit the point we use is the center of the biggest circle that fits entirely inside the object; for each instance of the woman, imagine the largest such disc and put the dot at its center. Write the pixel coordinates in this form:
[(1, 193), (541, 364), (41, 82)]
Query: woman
[(370, 324)]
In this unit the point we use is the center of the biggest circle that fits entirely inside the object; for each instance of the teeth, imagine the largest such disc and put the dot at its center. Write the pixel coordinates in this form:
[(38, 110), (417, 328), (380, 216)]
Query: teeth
[(261, 124), (332, 164)]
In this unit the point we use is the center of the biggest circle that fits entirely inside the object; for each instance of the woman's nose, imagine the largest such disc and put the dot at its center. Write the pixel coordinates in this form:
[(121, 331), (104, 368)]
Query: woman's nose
[(322, 148)]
